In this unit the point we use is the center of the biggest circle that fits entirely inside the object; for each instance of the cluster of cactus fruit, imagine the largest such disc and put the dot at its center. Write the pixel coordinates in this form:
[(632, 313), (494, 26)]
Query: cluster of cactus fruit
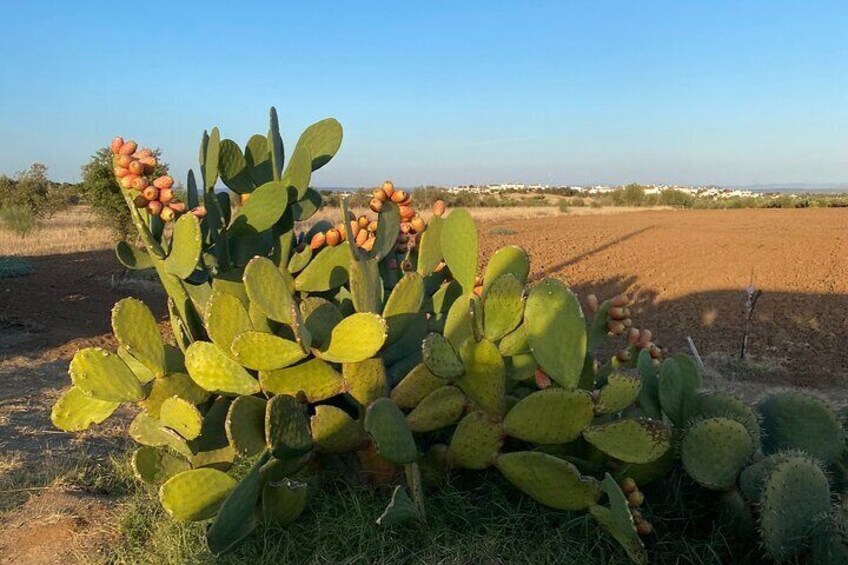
[(297, 348)]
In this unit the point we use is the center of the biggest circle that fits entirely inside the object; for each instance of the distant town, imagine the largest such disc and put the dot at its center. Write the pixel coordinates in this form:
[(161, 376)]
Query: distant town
[(699, 191)]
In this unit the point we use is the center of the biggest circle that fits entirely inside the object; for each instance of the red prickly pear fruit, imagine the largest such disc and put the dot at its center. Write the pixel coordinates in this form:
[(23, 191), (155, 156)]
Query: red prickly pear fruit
[(645, 336), (369, 243), (644, 528), (154, 207), (543, 381), (405, 227), (615, 327), (398, 196), (392, 264), (592, 303), (439, 207), (406, 265), (128, 148), (121, 172), (140, 201), (136, 167), (123, 161), (620, 300), (167, 214), (144, 153), (635, 498), (178, 207), (656, 352), (151, 193), (139, 183), (372, 226), (126, 181), (333, 237), (418, 224), (318, 241), (628, 485), (116, 145), (632, 336), (149, 164), (406, 201), (200, 212), (165, 195), (163, 182), (376, 205), (361, 237), (379, 194), (406, 212), (617, 313), (363, 221), (389, 188)]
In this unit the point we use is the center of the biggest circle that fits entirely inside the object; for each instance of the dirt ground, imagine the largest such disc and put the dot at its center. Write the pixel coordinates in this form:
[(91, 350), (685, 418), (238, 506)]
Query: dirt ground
[(686, 269)]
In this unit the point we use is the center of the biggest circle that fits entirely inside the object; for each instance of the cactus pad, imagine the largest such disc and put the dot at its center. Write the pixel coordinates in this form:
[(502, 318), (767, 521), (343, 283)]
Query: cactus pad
[(484, 380), (725, 405), (139, 369), (386, 425), (521, 367), (793, 420), (238, 514), (215, 372), (185, 247), (459, 246), (196, 494), (181, 416), (320, 317), (366, 380), (618, 521), (430, 246), (549, 480), (268, 289), (287, 427), (503, 306), (315, 378), (401, 509), (76, 411), (283, 501), (556, 331), (439, 409), (416, 385), (233, 167), (440, 357), (507, 260), (356, 338), (621, 390), (679, 382), (245, 425), (514, 343), (403, 305), (476, 442), (715, 450), (136, 330), (226, 317), (265, 206), (550, 416), (104, 376), (149, 431), (155, 466), (173, 384), (327, 270), (265, 352), (334, 431), (631, 441)]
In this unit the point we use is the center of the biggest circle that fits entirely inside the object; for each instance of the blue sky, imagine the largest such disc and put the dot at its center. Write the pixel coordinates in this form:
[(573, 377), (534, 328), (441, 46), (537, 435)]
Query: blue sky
[(439, 92)]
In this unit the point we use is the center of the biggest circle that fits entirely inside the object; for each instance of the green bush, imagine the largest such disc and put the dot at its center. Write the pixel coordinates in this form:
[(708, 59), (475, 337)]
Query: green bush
[(19, 219), (32, 189)]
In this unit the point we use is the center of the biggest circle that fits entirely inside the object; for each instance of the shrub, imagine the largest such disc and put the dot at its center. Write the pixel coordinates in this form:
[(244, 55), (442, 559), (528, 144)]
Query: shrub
[(19, 219)]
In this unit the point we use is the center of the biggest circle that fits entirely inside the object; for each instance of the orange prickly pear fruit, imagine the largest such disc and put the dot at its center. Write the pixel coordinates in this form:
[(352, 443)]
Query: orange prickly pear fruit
[(342, 232), (620, 300), (380, 194), (200, 212), (116, 145), (405, 227), (406, 212), (633, 336), (318, 241), (543, 381), (439, 207), (656, 352), (127, 180), (136, 167), (163, 182), (139, 183), (376, 205), (478, 280), (369, 243), (615, 327), (143, 153), (363, 221), (374, 468), (167, 214), (617, 313), (628, 485), (166, 195), (478, 290), (244, 197), (623, 356), (128, 148), (121, 172), (151, 193), (354, 228), (592, 303), (644, 528), (149, 164), (398, 196), (645, 337), (332, 237), (123, 161), (635, 498), (372, 226), (361, 237), (418, 224), (154, 207), (140, 201), (389, 188), (178, 207), (406, 201)]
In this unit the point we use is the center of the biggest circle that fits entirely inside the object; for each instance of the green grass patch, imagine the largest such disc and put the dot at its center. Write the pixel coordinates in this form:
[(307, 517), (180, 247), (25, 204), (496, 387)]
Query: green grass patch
[(502, 231)]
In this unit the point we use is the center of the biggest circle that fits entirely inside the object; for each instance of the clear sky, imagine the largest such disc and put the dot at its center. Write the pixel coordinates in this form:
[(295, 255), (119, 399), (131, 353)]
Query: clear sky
[(723, 92)]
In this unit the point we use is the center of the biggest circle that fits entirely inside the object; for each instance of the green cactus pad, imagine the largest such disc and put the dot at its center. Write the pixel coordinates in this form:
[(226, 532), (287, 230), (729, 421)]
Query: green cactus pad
[(149, 431), (430, 246), (795, 495), (618, 521), (622, 390), (459, 323), (265, 352), (507, 260), (549, 480), (521, 367), (386, 425), (245, 425), (226, 317), (132, 257), (186, 246), (725, 405), (752, 479), (679, 381), (388, 225), (258, 159), (400, 510), (298, 173), (366, 288), (238, 514), (476, 442), (459, 246), (213, 434), (322, 139), (556, 331), (233, 167), (210, 368), (514, 343), (173, 384), (792, 420), (550, 416), (327, 270), (631, 441), (441, 408), (316, 379), (275, 144), (181, 416), (830, 539), (503, 306), (283, 501), (221, 459), (484, 380), (155, 466), (196, 494), (136, 330), (261, 211), (287, 427), (299, 260), (267, 289), (75, 411), (104, 376), (416, 385), (715, 450), (320, 317), (209, 157), (441, 358), (139, 369), (402, 307), (649, 395), (307, 206), (366, 380), (334, 431), (356, 338)]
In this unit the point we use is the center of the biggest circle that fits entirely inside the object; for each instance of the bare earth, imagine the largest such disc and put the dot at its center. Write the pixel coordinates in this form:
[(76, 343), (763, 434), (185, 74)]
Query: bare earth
[(687, 270)]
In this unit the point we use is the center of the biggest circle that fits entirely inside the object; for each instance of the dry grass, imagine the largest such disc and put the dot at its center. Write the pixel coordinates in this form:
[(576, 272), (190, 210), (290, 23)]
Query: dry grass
[(71, 231)]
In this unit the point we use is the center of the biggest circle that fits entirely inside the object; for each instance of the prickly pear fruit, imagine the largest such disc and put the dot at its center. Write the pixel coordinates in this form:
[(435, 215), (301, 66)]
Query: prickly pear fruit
[(439, 208), (116, 144), (166, 195), (128, 148), (163, 182)]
